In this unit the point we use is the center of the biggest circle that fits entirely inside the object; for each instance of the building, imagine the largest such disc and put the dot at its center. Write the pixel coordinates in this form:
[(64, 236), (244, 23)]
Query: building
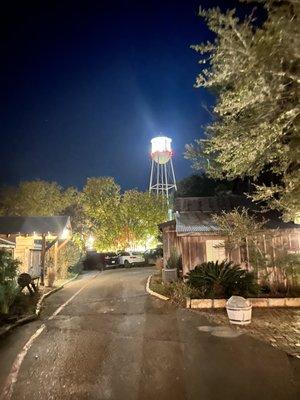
[(194, 235), (7, 245), (31, 238)]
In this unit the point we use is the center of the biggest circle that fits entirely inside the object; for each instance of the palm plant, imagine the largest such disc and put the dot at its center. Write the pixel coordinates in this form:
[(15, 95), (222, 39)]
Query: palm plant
[(216, 279)]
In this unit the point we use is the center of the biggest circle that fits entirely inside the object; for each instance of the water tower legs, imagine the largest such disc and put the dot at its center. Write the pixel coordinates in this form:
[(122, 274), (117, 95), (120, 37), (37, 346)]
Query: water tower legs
[(162, 178)]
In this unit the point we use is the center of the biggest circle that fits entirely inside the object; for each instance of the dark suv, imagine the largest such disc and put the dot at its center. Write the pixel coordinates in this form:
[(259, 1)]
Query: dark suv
[(109, 259)]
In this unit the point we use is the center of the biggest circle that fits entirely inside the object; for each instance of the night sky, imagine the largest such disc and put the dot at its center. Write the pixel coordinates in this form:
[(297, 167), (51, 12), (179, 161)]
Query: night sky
[(86, 84)]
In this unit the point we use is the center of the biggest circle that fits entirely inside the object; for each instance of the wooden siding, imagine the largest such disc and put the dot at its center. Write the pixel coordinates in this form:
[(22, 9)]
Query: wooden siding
[(22, 251), (192, 247), (170, 241), (215, 250)]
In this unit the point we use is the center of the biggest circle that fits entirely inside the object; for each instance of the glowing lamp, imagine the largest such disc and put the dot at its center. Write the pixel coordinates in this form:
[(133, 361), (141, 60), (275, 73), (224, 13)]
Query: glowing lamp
[(65, 234), (90, 243)]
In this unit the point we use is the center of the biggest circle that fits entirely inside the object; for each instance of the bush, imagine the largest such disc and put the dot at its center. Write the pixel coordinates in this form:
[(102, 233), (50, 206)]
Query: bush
[(174, 261), (176, 291), (180, 291), (68, 257), (77, 268), (8, 285), (289, 265), (217, 280), (92, 261)]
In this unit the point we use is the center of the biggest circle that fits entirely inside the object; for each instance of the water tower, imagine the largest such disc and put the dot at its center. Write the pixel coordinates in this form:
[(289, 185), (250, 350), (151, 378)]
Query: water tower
[(162, 178)]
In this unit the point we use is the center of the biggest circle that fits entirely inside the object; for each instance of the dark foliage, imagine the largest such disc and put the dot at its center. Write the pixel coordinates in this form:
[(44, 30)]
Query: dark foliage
[(198, 185), (222, 279)]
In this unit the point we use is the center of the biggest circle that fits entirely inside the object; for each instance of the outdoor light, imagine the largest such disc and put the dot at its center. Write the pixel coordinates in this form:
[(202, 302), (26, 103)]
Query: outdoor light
[(297, 218), (90, 243), (65, 234)]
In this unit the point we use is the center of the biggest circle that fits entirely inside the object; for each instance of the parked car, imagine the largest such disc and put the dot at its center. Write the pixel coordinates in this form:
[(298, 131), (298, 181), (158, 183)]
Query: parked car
[(109, 259), (151, 255), (94, 260), (127, 258)]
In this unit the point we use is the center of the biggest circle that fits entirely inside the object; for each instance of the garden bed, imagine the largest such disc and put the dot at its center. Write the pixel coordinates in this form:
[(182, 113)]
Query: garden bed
[(25, 304), (182, 294)]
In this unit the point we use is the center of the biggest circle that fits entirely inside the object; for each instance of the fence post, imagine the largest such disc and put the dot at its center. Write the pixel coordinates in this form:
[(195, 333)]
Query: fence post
[(43, 254)]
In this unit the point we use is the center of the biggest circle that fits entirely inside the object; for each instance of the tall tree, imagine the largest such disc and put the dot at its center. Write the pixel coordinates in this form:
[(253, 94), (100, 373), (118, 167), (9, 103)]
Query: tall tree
[(197, 185), (140, 214), (35, 198), (101, 201), (255, 72), (118, 221)]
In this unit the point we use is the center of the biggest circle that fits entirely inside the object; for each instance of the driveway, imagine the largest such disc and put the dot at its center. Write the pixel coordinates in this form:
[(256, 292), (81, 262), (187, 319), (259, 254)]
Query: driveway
[(113, 341)]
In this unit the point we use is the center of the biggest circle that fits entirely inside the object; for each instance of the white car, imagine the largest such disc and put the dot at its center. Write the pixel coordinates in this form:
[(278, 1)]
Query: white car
[(127, 258)]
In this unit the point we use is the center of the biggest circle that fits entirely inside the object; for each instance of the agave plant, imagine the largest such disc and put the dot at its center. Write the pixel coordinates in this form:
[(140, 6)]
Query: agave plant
[(216, 279)]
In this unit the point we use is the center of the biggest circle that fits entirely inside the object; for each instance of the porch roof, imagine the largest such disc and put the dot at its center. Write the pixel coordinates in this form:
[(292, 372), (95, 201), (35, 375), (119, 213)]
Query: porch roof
[(6, 243)]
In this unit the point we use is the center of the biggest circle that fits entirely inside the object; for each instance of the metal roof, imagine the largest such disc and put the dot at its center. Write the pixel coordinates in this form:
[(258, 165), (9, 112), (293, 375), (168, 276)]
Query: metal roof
[(194, 214), (29, 225), (194, 222)]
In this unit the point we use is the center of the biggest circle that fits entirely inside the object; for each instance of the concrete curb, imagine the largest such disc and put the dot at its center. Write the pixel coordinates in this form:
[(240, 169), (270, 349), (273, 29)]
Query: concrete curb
[(37, 312), (44, 296), (285, 302), (155, 294)]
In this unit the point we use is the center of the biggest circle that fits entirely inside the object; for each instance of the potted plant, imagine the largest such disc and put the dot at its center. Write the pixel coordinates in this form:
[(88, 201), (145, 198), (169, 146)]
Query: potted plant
[(170, 271)]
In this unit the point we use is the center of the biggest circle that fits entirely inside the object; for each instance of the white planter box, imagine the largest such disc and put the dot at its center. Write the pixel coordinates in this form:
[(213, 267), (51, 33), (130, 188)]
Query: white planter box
[(239, 316)]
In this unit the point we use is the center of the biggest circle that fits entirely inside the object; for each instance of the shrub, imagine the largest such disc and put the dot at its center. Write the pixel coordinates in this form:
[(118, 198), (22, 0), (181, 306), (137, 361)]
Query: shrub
[(289, 265), (8, 285), (77, 268), (92, 261), (216, 280), (177, 291), (68, 256), (180, 291), (174, 261)]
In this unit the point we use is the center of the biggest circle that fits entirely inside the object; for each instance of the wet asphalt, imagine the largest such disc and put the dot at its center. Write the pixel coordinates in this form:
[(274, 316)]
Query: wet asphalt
[(114, 341)]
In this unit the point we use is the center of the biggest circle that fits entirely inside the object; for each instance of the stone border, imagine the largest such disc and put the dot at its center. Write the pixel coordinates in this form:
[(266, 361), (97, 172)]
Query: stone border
[(148, 290), (37, 312), (256, 302)]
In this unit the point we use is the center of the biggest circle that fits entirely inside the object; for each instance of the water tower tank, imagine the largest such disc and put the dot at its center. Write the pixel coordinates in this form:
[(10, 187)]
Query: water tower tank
[(161, 150), (162, 176)]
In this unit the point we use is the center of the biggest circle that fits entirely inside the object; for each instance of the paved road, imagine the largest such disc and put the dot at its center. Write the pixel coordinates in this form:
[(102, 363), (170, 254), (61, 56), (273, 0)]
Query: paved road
[(113, 341)]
